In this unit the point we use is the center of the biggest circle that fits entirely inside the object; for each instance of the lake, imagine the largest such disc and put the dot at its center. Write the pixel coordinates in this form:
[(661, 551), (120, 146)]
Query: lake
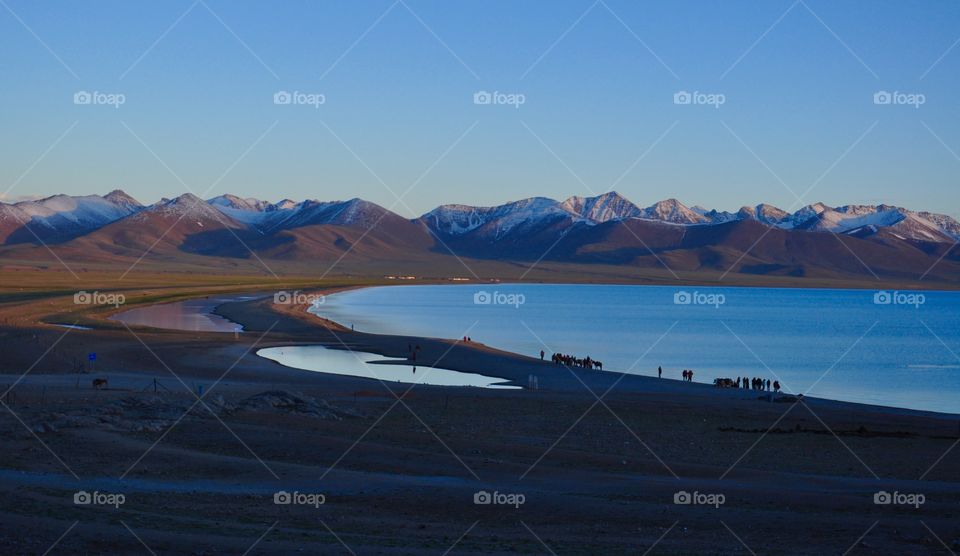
[(361, 364), (193, 315), (880, 347)]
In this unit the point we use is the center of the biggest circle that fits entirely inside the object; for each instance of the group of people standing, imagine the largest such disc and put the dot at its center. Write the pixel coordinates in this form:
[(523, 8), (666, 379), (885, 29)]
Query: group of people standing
[(760, 384), (573, 361)]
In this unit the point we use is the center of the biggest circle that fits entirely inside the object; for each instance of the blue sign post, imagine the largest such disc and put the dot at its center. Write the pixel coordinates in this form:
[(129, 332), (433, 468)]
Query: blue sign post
[(92, 357)]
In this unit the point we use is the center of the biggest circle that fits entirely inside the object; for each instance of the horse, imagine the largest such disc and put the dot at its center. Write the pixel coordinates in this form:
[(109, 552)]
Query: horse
[(99, 383), (598, 365)]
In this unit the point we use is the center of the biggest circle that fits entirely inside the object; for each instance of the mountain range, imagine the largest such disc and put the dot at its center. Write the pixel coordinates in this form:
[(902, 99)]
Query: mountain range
[(608, 229)]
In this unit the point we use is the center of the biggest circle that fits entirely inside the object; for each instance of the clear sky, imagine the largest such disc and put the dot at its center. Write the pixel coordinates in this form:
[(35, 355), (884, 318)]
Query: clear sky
[(398, 81)]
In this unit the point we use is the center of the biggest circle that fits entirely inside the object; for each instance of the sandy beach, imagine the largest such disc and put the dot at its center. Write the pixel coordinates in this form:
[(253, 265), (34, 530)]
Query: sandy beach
[(199, 435)]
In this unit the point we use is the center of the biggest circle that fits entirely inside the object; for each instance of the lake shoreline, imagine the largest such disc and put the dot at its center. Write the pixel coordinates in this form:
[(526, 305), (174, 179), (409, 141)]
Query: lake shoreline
[(394, 458)]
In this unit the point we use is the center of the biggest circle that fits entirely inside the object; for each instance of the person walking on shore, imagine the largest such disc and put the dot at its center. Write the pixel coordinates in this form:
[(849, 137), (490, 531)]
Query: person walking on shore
[(541, 355), (659, 372)]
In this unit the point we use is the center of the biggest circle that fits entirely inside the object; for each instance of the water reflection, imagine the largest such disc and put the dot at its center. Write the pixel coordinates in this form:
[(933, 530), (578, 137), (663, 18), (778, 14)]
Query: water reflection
[(360, 364), (192, 315)]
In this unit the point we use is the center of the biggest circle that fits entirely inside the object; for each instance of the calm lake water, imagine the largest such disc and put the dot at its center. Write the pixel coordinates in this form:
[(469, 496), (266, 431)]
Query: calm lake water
[(194, 315), (355, 363), (898, 350)]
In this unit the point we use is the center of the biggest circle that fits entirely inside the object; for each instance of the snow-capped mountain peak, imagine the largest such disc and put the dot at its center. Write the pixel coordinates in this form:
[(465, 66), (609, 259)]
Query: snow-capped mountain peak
[(602, 208), (673, 211)]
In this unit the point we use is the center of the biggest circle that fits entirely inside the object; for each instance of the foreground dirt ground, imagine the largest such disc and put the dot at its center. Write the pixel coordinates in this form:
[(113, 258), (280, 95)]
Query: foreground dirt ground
[(401, 469)]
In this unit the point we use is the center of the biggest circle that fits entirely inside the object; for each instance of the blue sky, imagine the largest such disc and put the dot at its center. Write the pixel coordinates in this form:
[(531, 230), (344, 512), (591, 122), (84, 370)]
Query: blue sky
[(398, 80)]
